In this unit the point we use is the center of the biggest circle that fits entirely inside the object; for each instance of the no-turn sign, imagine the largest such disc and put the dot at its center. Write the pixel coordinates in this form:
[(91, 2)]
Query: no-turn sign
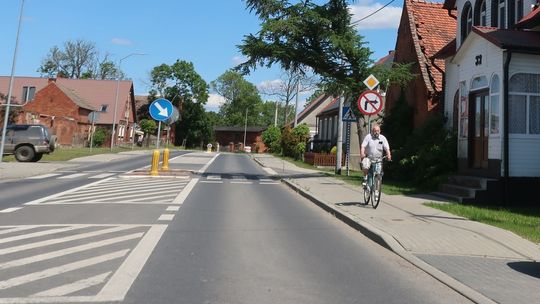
[(370, 102)]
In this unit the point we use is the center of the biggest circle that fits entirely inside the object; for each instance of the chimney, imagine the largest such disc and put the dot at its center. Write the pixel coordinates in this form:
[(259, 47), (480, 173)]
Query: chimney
[(52, 79)]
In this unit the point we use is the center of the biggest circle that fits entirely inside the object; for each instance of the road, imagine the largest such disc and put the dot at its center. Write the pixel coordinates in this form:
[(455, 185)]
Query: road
[(229, 234)]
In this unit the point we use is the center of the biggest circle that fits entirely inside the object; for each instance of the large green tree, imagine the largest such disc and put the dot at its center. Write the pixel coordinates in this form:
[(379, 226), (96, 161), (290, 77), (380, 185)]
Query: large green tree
[(240, 96), (186, 89)]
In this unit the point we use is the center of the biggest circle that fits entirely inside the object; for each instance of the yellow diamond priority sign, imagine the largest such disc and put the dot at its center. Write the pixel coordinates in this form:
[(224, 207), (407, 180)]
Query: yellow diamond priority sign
[(371, 82)]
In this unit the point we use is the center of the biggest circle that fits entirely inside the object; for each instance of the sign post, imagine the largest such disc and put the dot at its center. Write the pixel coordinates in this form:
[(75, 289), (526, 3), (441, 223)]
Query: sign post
[(93, 117), (160, 109), (348, 117)]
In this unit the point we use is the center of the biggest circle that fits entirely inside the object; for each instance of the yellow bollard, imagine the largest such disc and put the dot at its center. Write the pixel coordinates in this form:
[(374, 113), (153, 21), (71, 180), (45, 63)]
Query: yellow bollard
[(155, 163), (165, 166)]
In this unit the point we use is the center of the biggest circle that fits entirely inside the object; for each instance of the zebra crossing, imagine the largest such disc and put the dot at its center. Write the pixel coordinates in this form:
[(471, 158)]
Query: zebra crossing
[(238, 179), (117, 190), (73, 175), (71, 262)]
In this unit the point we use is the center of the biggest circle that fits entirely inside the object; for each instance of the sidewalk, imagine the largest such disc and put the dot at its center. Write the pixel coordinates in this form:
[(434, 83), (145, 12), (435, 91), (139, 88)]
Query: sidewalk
[(484, 263)]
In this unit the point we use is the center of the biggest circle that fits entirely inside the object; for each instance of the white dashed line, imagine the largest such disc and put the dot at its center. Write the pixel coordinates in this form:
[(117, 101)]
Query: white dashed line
[(173, 208), (166, 217), (43, 176), (9, 210)]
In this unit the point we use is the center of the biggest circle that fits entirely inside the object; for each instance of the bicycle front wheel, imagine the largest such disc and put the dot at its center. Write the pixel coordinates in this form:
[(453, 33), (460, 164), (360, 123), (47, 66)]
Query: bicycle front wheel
[(376, 191)]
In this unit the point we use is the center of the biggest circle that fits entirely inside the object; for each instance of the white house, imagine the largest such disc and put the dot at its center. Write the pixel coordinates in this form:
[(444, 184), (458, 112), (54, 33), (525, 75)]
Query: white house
[(492, 93)]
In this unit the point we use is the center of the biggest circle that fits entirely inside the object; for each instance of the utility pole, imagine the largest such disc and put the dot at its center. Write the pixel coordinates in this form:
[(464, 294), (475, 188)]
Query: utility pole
[(296, 105), (245, 130), (11, 80)]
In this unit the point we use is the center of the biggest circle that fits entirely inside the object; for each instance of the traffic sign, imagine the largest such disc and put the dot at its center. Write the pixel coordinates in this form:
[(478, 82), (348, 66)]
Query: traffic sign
[(348, 115), (371, 82), (161, 109), (93, 117), (370, 102)]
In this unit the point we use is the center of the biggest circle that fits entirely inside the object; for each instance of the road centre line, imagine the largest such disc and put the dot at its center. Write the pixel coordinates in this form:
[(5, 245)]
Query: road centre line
[(9, 210), (64, 239), (38, 201), (74, 287), (67, 251), (203, 169), (118, 286), (179, 200), (31, 277)]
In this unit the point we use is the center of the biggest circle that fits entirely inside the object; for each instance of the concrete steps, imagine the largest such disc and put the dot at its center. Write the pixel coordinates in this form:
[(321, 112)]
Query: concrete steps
[(463, 188)]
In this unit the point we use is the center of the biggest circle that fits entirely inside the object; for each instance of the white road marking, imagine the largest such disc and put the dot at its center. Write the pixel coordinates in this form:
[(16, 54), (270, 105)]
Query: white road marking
[(203, 169), (38, 201), (9, 210), (43, 176), (107, 197), (212, 182), (67, 251), (31, 277), (17, 229), (272, 183), (64, 239), (214, 177), (118, 286), (72, 176), (102, 175), (266, 180), (179, 200), (173, 208), (245, 183), (166, 217), (270, 171), (74, 287), (40, 233)]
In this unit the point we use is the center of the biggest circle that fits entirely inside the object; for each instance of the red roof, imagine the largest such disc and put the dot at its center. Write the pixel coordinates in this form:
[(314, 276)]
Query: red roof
[(94, 92), (522, 41), (386, 60), (529, 21), (432, 28)]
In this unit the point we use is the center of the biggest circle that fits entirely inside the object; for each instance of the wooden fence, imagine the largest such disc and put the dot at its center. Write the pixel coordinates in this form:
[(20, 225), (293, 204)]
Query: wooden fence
[(321, 159)]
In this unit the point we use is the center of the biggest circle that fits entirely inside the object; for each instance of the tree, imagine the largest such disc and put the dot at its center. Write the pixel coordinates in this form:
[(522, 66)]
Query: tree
[(240, 96), (186, 89), (78, 59), (148, 126), (290, 84), (14, 111)]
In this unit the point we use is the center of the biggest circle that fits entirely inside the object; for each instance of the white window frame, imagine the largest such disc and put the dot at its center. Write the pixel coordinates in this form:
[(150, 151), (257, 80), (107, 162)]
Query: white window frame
[(498, 95), (527, 112), (501, 14)]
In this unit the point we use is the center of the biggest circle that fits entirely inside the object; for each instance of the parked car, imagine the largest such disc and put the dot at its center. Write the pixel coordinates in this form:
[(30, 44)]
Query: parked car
[(28, 142)]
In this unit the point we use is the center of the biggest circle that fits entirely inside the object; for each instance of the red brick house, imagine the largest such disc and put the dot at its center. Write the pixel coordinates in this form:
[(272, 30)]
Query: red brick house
[(64, 104), (425, 28), (231, 139)]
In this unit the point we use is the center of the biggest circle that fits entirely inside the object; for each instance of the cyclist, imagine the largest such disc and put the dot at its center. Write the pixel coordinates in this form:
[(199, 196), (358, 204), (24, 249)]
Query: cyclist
[(373, 146)]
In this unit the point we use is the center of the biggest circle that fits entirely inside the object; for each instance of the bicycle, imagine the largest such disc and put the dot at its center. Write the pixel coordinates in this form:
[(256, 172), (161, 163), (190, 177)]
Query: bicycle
[(372, 189)]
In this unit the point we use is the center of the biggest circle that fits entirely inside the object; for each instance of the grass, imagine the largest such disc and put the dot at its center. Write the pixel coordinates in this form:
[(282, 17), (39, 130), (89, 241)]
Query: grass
[(522, 221), (64, 154)]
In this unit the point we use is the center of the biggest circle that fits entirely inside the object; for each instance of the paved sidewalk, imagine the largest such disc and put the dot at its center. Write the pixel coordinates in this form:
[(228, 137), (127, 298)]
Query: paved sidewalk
[(482, 262)]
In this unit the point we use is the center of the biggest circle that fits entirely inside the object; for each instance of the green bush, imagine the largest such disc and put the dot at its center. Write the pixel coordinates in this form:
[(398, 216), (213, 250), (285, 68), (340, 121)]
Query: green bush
[(272, 139), (99, 137), (294, 141)]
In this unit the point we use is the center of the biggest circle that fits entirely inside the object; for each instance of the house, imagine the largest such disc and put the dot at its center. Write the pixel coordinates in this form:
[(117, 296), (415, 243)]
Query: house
[(492, 84), (64, 105), (424, 29), (308, 115), (231, 139)]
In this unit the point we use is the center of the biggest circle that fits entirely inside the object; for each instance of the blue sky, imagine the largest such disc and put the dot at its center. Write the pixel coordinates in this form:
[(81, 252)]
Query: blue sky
[(203, 32)]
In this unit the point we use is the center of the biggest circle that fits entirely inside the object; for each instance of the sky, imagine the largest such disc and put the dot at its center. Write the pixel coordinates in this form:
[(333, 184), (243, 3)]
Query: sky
[(205, 33)]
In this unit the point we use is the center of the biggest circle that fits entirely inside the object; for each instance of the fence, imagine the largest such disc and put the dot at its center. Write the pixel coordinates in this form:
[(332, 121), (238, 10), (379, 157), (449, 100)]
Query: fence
[(322, 159)]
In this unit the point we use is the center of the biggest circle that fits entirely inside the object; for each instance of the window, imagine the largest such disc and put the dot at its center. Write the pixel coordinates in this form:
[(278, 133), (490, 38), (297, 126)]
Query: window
[(502, 14), (466, 21), (519, 10), (524, 104), (103, 108), (28, 93), (480, 15), (479, 83), (494, 117), (463, 110)]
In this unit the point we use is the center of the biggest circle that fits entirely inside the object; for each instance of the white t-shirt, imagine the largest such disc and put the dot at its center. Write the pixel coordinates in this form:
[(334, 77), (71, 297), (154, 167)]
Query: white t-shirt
[(375, 146)]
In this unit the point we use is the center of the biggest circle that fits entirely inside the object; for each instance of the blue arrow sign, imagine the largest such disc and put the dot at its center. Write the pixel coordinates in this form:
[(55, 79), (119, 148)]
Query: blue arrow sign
[(348, 115), (161, 109)]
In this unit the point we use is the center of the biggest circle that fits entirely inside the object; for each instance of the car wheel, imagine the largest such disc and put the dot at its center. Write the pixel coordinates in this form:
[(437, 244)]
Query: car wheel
[(37, 157), (24, 153)]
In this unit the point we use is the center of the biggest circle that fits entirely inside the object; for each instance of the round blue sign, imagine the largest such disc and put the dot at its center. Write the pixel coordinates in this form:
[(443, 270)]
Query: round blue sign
[(161, 109)]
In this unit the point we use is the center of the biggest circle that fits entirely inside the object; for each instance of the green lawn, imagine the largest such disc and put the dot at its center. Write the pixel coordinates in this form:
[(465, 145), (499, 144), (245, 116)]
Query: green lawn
[(523, 222)]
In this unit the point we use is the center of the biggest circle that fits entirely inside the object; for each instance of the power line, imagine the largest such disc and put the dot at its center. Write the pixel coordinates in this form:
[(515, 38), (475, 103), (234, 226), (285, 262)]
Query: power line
[(364, 18)]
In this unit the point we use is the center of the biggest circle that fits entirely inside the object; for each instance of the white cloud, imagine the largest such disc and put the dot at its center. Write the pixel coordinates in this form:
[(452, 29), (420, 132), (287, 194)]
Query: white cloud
[(268, 84), (215, 100), (386, 18), (236, 60), (121, 41)]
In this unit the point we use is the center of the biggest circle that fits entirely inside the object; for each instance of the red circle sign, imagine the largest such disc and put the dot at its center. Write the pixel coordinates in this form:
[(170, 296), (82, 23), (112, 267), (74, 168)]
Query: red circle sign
[(370, 102)]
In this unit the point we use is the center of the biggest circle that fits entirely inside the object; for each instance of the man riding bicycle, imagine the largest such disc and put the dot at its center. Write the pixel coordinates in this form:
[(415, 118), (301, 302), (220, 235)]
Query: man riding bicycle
[(373, 146)]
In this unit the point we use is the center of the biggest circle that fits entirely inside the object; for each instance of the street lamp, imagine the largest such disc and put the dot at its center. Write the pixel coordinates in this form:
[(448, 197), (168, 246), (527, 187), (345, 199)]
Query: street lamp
[(116, 98), (11, 80)]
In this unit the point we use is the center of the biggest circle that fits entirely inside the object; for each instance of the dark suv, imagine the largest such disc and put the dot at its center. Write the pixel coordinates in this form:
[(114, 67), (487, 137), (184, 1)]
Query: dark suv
[(28, 142)]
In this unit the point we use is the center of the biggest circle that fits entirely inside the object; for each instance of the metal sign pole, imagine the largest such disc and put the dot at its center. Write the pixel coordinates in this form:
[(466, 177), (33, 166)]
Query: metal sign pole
[(348, 146), (158, 133), (92, 136)]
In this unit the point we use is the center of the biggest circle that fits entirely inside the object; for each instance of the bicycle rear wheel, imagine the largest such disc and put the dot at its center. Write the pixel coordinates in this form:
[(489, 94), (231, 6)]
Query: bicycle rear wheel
[(376, 191)]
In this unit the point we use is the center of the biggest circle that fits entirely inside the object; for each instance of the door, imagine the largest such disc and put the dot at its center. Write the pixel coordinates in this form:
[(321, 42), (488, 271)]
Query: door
[(479, 130)]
